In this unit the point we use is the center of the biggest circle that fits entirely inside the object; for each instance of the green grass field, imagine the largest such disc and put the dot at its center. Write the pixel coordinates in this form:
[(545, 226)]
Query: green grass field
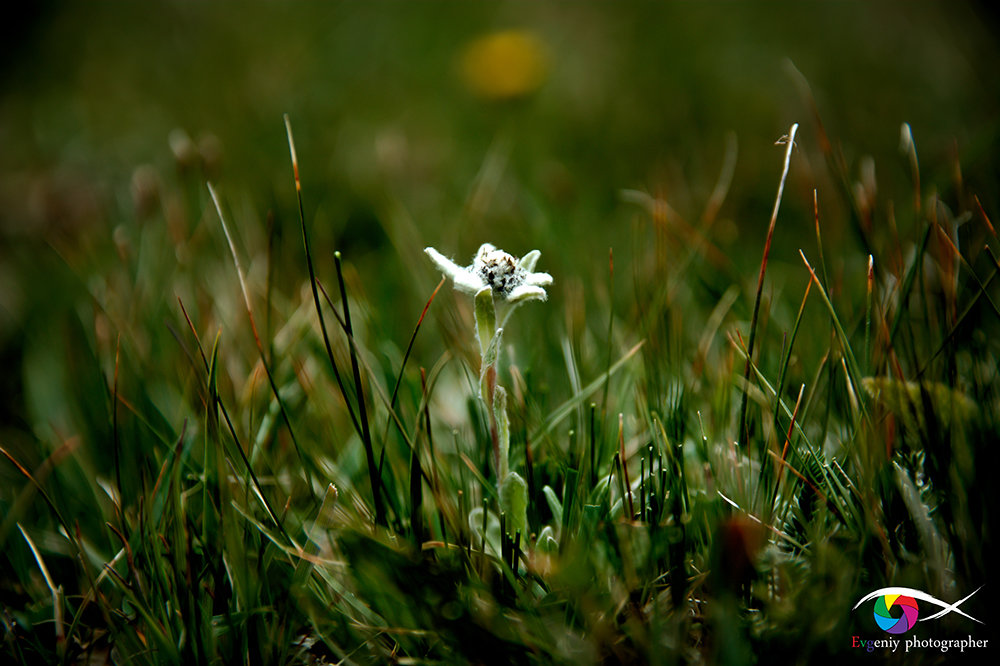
[(243, 419)]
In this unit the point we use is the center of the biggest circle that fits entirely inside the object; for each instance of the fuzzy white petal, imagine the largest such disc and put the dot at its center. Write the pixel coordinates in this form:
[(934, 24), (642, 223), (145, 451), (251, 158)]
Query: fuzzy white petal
[(538, 279), (464, 279), (529, 260), (444, 264), (468, 281), (526, 293)]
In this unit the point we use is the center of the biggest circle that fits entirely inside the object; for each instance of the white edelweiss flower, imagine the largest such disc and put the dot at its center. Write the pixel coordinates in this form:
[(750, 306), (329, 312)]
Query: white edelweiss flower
[(511, 279)]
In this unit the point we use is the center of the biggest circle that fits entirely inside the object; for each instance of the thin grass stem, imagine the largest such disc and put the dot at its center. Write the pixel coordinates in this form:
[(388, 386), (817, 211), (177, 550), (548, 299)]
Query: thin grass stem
[(306, 465), (312, 278), (741, 432), (366, 437), (54, 590)]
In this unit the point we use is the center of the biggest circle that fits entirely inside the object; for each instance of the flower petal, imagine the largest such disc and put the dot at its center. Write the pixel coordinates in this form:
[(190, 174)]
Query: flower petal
[(483, 250), (464, 279), (538, 279), (526, 292), (468, 282), (529, 260), (444, 264)]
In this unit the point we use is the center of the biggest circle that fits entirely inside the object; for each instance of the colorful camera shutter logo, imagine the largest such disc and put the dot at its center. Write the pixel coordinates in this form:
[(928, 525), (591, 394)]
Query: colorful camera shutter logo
[(896, 625)]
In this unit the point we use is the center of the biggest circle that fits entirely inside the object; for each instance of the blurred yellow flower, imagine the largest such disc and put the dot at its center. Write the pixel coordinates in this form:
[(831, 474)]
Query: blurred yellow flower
[(504, 65)]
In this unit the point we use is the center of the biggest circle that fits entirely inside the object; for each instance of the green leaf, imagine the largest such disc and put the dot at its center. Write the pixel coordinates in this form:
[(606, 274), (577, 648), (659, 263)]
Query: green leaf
[(488, 368), (503, 429), (554, 504), (547, 542), (514, 503), (486, 319)]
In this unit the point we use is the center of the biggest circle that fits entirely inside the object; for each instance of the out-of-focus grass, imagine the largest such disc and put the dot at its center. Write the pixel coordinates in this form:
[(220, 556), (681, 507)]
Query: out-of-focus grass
[(173, 492)]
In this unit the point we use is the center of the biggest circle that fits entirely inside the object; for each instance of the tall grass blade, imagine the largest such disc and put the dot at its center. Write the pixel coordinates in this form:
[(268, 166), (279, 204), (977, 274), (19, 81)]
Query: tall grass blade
[(564, 410), (312, 278), (306, 464), (853, 370), (741, 432)]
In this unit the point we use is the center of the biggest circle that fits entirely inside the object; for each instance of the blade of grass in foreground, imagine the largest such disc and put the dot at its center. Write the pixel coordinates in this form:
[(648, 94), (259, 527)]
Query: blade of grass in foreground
[(406, 356), (306, 465), (116, 440), (854, 372), (815, 457), (565, 409), (785, 360), (54, 591), (312, 279), (215, 402), (611, 324), (377, 391), (904, 293), (960, 321), (366, 437), (741, 433)]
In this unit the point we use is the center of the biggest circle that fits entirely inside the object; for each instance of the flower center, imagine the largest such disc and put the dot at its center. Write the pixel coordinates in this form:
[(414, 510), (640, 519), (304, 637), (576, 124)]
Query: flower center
[(500, 271)]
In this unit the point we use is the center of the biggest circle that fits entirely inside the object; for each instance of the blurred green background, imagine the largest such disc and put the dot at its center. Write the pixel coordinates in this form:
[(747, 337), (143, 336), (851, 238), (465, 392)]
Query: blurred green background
[(639, 95), (109, 111)]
